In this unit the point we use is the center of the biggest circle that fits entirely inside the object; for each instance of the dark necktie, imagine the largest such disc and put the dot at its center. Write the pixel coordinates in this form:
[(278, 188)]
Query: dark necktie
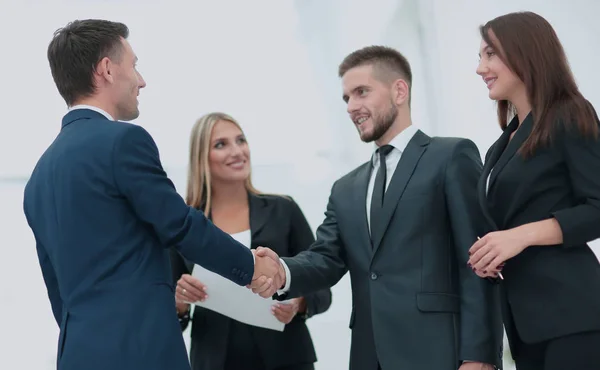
[(379, 189)]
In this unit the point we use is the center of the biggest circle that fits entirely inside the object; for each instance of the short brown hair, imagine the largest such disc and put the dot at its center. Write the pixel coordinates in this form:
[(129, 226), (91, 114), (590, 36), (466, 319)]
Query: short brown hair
[(530, 48), (77, 48), (386, 62)]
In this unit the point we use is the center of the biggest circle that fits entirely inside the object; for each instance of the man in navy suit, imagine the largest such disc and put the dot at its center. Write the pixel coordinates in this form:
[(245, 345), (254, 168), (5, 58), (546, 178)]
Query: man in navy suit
[(103, 213)]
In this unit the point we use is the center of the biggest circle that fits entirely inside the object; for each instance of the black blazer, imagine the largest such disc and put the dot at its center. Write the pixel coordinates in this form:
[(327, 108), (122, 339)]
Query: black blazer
[(276, 222), (412, 291), (549, 291)]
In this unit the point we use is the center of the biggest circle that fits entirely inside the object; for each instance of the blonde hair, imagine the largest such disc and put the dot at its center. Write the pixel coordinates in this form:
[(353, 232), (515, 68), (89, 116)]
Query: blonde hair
[(199, 179)]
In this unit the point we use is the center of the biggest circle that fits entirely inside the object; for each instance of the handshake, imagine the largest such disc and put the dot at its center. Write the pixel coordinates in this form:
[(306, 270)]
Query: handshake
[(269, 274)]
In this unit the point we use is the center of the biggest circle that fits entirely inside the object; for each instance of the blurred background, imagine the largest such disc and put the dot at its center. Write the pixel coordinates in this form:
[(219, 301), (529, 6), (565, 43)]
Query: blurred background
[(272, 65)]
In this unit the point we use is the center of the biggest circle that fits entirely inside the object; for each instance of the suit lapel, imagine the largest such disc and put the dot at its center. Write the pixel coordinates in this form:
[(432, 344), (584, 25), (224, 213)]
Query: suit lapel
[(482, 185), (361, 184), (260, 212), (404, 171), (483, 180), (507, 149)]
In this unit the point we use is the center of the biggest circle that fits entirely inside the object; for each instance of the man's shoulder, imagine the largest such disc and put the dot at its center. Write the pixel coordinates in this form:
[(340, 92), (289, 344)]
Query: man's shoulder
[(450, 142), (448, 146), (349, 178), (124, 132)]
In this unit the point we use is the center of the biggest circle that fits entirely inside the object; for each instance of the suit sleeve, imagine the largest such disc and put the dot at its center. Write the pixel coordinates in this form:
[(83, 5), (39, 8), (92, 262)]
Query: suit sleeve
[(51, 282), (579, 224), (49, 275), (143, 182), (323, 264), (301, 238), (481, 333)]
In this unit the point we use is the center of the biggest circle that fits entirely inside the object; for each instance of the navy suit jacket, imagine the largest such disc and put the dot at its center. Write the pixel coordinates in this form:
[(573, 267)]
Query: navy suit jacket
[(104, 213)]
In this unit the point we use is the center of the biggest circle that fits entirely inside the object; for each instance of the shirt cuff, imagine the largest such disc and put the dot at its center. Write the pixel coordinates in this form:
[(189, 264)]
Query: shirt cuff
[(288, 278)]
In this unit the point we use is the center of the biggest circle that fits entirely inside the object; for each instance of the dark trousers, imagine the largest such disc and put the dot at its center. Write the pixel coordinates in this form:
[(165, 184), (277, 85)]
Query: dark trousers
[(579, 351), (243, 354)]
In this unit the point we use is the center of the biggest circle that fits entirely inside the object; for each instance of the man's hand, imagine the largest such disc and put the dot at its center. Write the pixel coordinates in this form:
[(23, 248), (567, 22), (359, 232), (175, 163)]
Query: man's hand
[(475, 366), (266, 252), (285, 312), (267, 277)]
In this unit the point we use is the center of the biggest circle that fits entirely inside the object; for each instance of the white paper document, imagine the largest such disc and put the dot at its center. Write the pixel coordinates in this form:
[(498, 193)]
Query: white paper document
[(236, 302)]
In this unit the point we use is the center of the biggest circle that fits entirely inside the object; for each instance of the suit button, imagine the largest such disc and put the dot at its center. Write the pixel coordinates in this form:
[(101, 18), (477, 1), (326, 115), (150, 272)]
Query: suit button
[(374, 276), (234, 271), (245, 276)]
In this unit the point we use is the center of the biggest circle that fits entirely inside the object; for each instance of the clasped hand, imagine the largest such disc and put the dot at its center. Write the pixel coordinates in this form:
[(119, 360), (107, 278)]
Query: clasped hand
[(488, 254), (269, 275)]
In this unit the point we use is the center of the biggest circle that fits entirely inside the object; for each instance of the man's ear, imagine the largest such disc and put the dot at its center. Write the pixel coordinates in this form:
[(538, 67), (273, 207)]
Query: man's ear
[(400, 91), (105, 70)]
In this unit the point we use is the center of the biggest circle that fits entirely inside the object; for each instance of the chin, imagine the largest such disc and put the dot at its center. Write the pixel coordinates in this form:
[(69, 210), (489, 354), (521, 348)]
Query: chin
[(366, 136), (239, 176), (494, 95)]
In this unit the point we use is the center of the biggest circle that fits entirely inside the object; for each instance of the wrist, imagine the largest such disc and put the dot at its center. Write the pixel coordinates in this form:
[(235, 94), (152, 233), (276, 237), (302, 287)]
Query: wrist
[(527, 234), (301, 305), (183, 309), (282, 276)]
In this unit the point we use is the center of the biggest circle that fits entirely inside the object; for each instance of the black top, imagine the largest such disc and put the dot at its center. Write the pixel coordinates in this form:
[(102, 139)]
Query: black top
[(278, 223)]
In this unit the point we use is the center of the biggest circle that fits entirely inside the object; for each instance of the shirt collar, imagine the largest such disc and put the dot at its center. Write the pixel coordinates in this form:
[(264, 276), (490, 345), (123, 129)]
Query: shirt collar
[(91, 107), (399, 142)]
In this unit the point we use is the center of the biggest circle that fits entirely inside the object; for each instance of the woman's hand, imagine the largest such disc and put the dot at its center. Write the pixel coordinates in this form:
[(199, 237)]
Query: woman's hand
[(489, 253), (285, 312), (190, 290), (182, 308)]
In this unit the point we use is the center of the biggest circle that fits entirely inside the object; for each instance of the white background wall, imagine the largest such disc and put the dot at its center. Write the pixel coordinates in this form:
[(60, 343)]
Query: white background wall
[(271, 64)]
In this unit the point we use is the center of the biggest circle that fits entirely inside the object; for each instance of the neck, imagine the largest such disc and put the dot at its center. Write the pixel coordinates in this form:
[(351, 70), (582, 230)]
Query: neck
[(400, 124), (97, 102), (225, 195), (522, 106)]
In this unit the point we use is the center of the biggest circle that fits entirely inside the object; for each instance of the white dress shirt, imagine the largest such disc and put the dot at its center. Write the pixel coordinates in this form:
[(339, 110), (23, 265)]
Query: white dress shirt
[(399, 142), (95, 109)]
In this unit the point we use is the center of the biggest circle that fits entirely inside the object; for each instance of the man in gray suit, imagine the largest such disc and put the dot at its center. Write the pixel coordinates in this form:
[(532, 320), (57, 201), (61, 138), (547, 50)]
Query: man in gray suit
[(403, 229)]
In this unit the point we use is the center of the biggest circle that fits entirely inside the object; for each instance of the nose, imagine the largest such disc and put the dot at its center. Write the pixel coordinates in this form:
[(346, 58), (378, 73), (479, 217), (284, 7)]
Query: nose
[(352, 106), (236, 150), (481, 67), (141, 81)]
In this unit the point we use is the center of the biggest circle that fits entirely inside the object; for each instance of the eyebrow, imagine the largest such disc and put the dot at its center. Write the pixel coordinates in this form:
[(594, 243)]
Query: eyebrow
[(488, 47), (224, 138), (345, 97)]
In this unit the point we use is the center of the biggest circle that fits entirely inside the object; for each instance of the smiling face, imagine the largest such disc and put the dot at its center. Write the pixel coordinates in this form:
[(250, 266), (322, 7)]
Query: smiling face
[(229, 155), (369, 102), (121, 83), (502, 83)]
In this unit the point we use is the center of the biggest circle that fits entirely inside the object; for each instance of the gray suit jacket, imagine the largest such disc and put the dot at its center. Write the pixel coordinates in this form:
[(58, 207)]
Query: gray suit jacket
[(416, 303)]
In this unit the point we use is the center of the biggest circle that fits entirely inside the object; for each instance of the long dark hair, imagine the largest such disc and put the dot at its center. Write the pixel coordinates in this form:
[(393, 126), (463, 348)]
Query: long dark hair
[(528, 45)]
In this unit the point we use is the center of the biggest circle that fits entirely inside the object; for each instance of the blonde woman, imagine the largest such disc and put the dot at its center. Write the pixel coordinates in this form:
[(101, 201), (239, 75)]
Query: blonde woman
[(219, 184)]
